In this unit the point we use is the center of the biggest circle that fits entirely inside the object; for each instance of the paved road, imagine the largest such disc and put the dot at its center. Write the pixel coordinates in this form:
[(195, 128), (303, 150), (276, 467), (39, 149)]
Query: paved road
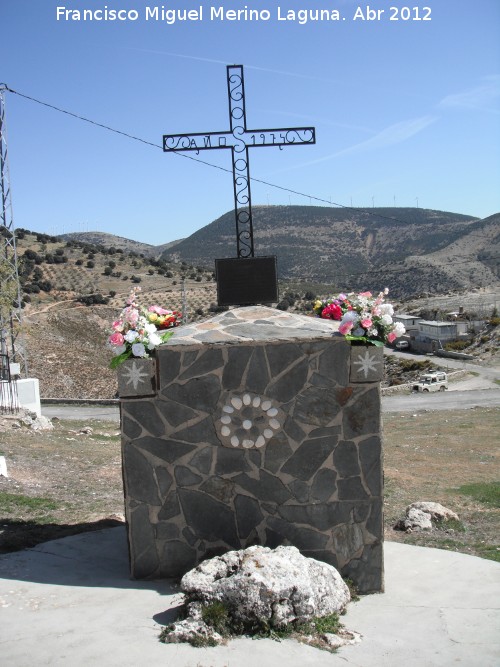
[(82, 412), (451, 400)]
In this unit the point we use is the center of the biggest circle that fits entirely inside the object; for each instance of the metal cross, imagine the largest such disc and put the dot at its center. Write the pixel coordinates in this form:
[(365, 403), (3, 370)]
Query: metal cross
[(239, 139)]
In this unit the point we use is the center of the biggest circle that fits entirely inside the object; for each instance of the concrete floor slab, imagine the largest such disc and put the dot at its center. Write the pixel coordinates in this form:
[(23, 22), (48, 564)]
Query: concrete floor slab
[(71, 602)]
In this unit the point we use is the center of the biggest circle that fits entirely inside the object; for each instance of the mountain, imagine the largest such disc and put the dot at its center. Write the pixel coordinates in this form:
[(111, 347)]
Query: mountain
[(119, 242), (356, 248), (471, 261)]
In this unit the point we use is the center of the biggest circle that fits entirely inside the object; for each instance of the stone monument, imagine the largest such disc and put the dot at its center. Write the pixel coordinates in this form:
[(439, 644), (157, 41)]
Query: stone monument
[(255, 427)]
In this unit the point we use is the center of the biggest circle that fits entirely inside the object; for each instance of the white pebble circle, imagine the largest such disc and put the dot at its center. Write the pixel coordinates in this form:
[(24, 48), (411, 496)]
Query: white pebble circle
[(249, 415)]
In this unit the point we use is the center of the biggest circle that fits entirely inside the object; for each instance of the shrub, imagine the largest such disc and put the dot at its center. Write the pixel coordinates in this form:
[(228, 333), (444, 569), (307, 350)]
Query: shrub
[(457, 345), (45, 285), (92, 299), (215, 308)]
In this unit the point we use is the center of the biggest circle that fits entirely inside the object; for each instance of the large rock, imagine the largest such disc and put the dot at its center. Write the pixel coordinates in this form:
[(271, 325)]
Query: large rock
[(437, 512), (420, 515), (275, 586)]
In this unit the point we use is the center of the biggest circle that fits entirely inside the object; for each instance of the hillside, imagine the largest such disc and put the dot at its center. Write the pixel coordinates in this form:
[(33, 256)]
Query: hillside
[(356, 248), (473, 260), (118, 242), (72, 292)]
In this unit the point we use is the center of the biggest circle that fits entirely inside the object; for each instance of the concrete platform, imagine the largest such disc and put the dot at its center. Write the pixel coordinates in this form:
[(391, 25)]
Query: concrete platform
[(71, 602)]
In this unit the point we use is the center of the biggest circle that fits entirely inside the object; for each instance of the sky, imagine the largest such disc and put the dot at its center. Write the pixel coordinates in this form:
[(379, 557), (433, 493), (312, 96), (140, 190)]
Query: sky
[(405, 102)]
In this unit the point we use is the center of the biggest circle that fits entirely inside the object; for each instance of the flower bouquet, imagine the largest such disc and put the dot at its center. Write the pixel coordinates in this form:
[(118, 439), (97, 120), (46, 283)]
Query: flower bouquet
[(137, 332), (362, 317)]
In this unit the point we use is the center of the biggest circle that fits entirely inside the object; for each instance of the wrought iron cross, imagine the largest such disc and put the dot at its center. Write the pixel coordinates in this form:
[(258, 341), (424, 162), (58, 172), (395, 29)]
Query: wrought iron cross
[(239, 139)]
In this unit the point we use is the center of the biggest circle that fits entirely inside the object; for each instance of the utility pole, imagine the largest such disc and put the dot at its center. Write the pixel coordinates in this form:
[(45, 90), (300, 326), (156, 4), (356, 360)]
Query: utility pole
[(10, 318)]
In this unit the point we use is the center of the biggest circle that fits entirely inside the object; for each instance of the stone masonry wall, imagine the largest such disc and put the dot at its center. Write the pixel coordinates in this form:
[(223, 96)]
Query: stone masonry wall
[(257, 427)]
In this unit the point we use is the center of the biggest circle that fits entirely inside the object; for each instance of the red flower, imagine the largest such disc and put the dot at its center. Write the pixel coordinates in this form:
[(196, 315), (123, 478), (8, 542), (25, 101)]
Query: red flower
[(332, 312)]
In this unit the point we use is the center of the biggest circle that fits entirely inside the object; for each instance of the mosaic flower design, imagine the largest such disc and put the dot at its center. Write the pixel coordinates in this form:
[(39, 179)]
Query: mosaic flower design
[(367, 363), (248, 421)]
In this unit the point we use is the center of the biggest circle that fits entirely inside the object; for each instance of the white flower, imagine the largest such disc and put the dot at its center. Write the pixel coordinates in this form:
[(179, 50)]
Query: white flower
[(154, 341), (138, 350), (131, 336), (350, 316), (150, 328), (358, 332), (386, 309), (386, 320), (399, 328), (373, 331), (119, 349)]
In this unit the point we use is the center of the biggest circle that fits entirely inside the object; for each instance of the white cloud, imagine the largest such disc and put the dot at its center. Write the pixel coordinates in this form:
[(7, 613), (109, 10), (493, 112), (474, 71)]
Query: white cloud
[(481, 98), (394, 134), (321, 120)]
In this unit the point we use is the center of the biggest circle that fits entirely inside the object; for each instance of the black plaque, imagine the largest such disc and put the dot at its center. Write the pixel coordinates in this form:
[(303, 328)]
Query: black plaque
[(246, 281)]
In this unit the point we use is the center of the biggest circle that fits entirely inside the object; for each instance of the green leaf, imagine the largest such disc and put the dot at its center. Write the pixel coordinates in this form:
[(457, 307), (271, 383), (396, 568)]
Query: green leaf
[(364, 339), (120, 358), (166, 336)]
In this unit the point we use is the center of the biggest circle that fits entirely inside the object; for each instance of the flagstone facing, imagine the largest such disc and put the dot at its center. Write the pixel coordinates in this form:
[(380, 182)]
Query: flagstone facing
[(267, 432)]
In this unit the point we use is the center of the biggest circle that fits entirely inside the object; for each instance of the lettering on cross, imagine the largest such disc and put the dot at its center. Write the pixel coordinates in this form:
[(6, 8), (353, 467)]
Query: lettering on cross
[(239, 139)]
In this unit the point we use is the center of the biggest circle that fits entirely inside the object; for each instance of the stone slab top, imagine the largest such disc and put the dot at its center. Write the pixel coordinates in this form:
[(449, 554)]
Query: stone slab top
[(254, 323)]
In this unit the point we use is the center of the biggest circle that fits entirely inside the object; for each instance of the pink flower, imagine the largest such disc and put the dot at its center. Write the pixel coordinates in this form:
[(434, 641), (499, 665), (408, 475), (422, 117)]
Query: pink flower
[(391, 337), (131, 315), (158, 310), (118, 325), (366, 323), (345, 327), (367, 294), (116, 338)]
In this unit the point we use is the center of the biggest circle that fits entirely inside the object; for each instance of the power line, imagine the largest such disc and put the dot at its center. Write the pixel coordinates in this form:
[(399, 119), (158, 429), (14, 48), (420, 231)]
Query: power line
[(194, 159)]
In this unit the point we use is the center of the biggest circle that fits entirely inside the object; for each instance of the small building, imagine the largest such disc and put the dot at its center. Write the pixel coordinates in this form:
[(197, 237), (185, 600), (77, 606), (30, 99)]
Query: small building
[(443, 331), (430, 336)]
